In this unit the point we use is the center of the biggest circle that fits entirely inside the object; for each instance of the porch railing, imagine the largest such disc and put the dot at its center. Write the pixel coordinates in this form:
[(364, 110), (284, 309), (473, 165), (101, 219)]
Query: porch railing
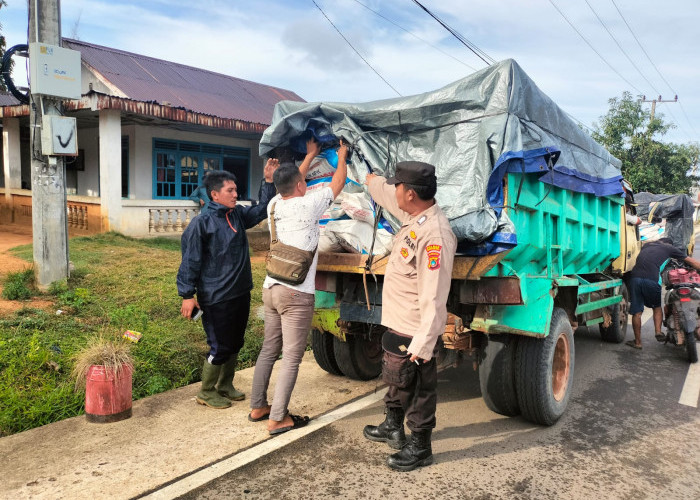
[(77, 214), (170, 220)]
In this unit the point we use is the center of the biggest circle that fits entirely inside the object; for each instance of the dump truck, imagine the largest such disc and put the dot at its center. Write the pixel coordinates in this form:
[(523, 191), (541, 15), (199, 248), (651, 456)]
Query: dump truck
[(539, 214)]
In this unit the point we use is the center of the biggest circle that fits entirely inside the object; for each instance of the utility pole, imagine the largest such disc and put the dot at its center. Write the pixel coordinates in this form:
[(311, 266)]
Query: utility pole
[(653, 105), (49, 221)]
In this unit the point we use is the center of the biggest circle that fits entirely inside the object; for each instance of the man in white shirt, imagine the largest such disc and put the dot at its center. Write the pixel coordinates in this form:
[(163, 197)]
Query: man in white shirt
[(289, 308)]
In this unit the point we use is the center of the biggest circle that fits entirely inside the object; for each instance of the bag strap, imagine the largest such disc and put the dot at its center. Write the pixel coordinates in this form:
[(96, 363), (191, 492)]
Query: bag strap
[(273, 233)]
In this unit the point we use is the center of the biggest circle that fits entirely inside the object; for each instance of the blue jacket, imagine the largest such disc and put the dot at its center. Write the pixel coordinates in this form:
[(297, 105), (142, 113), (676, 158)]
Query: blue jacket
[(201, 194), (215, 260)]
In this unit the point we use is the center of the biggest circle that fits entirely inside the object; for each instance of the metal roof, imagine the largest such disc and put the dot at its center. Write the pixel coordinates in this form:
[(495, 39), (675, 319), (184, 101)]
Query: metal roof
[(7, 99), (147, 79)]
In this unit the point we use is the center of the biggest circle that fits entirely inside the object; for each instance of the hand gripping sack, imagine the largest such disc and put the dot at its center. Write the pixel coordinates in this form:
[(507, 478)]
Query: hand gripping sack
[(286, 263)]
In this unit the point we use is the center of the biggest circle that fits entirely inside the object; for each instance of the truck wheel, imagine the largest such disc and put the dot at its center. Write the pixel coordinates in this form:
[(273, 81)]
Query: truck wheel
[(358, 357), (545, 371), (497, 374), (322, 346), (691, 347), (618, 321)]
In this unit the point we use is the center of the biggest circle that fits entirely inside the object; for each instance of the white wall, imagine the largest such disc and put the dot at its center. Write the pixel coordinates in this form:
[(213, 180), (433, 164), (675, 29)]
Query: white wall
[(143, 186), (89, 179), (141, 158)]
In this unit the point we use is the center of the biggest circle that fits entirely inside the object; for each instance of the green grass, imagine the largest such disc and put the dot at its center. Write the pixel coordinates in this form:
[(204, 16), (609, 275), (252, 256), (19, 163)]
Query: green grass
[(118, 283), (19, 285)]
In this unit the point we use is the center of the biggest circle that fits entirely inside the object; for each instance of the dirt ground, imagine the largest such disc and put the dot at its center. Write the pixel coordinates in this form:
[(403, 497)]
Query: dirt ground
[(11, 236)]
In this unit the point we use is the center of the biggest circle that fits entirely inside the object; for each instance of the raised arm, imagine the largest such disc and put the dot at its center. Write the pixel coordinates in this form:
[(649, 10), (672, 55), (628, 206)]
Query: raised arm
[(384, 195), (313, 148), (341, 173), (253, 215)]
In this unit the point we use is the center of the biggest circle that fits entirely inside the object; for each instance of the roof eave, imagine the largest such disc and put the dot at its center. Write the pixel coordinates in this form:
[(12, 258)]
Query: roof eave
[(97, 101)]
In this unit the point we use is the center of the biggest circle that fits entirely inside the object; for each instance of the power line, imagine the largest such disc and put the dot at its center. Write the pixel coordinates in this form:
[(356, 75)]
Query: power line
[(634, 35), (594, 49), (476, 50), (641, 47), (620, 46), (416, 36), (356, 51)]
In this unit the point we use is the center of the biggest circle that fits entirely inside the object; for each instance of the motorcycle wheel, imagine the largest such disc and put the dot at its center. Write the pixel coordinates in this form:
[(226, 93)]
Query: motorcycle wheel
[(691, 347)]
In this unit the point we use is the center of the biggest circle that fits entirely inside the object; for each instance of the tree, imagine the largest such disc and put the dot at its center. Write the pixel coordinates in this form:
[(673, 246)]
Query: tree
[(3, 3), (629, 133)]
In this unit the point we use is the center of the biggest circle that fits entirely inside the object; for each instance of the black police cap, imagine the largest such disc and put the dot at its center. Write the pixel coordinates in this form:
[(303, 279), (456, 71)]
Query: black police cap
[(417, 173)]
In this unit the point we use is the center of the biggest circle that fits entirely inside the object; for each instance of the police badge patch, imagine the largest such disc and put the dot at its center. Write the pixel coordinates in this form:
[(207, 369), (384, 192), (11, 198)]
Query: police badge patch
[(404, 253), (433, 256)]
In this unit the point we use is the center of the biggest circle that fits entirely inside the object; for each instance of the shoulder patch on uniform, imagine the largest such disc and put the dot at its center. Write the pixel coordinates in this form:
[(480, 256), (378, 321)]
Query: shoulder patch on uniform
[(422, 219), (433, 256)]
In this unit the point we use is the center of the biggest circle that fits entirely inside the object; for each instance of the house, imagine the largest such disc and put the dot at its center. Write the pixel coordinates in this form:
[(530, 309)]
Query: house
[(148, 131)]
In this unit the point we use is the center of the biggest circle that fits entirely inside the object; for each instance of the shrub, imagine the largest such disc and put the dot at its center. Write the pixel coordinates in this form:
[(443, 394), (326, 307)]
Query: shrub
[(19, 285)]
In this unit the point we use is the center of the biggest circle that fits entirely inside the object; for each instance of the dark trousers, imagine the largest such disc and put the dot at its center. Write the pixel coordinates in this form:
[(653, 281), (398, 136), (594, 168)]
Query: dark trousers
[(418, 399), (224, 324)]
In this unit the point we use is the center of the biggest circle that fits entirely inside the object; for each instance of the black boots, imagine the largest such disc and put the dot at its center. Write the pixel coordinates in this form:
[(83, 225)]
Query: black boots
[(415, 453), (390, 431)]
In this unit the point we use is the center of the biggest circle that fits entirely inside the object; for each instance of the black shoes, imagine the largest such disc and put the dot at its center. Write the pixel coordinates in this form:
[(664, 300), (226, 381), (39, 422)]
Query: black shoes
[(417, 452), (390, 431)]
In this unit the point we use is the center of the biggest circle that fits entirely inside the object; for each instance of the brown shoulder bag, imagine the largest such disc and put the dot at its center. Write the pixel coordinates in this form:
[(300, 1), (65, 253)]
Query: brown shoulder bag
[(287, 263)]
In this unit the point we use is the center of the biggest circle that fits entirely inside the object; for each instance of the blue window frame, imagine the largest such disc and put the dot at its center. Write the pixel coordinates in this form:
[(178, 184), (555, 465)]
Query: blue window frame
[(179, 166)]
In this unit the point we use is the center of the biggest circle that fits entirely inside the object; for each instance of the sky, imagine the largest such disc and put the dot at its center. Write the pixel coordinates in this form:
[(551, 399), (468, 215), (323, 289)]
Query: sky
[(377, 49)]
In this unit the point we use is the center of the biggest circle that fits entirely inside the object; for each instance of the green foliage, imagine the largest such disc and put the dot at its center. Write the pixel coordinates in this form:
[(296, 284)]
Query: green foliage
[(629, 133), (77, 298), (3, 46), (19, 285), (115, 286)]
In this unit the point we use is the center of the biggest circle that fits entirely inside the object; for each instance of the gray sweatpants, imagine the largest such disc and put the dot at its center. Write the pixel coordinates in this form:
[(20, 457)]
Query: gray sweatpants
[(288, 315)]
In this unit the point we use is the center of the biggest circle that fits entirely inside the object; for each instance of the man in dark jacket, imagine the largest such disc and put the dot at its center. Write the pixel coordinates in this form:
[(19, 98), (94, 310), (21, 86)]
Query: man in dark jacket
[(216, 268)]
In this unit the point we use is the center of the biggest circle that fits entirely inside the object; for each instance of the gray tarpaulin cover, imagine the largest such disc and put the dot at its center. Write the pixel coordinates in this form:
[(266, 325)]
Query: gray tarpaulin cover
[(473, 131), (678, 211)]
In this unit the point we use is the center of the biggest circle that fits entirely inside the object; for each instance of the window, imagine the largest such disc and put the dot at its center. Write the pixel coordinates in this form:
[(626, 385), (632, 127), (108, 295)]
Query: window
[(179, 167), (125, 166)]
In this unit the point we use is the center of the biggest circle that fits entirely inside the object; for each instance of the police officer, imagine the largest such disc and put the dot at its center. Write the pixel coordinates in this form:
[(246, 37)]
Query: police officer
[(414, 297)]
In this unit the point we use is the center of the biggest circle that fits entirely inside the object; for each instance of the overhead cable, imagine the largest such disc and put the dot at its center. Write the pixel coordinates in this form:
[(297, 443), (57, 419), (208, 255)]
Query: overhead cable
[(476, 50), (619, 46), (594, 49), (415, 36), (634, 35), (354, 49)]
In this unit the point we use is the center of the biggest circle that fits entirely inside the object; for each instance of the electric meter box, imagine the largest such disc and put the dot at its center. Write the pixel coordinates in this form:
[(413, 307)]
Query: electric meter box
[(54, 71), (59, 136)]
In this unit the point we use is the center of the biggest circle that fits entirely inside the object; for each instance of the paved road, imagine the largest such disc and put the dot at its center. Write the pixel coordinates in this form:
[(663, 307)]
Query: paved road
[(624, 435)]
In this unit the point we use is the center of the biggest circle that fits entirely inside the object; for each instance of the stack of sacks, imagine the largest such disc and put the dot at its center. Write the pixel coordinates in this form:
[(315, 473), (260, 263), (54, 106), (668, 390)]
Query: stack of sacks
[(650, 232), (348, 224)]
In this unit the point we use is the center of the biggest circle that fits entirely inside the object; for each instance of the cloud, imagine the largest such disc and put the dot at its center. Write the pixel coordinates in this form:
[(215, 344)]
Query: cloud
[(290, 44)]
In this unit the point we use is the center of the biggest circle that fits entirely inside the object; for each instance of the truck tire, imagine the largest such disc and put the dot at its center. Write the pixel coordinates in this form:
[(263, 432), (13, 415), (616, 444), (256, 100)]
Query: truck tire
[(497, 374), (322, 346), (545, 371), (619, 314), (691, 347), (359, 358)]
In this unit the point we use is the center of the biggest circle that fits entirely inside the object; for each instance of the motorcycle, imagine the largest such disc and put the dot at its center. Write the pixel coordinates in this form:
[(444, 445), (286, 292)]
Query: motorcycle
[(681, 305)]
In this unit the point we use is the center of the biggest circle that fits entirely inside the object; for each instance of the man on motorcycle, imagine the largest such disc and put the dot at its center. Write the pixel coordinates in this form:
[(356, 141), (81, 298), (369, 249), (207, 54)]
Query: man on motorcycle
[(645, 284)]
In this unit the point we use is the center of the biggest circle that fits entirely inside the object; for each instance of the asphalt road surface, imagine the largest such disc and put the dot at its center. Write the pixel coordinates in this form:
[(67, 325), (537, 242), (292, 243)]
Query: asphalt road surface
[(625, 435)]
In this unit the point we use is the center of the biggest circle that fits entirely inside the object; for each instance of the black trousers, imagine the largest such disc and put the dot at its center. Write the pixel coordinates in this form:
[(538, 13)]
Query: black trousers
[(418, 399), (224, 324)]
